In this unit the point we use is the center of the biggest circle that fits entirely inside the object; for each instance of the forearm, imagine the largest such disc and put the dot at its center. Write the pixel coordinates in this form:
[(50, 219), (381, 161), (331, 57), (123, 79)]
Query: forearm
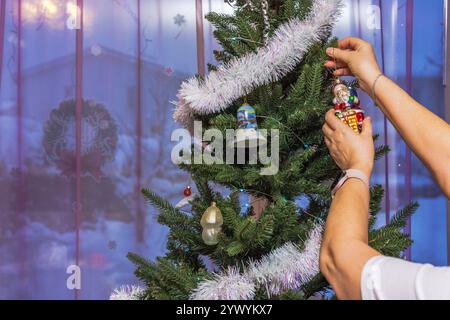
[(425, 133), (345, 248)]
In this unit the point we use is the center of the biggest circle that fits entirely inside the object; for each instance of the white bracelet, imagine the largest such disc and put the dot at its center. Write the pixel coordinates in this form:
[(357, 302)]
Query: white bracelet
[(348, 174)]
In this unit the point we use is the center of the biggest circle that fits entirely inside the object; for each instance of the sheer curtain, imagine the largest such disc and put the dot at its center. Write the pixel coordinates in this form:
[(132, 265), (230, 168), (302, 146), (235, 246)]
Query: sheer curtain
[(85, 122), (408, 38)]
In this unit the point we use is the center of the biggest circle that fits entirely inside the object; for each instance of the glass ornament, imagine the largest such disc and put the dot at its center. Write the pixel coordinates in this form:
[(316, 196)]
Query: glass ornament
[(211, 222), (347, 104), (248, 128)]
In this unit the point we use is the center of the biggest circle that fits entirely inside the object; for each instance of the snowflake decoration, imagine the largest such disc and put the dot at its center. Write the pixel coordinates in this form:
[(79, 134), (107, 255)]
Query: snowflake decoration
[(179, 20), (169, 71)]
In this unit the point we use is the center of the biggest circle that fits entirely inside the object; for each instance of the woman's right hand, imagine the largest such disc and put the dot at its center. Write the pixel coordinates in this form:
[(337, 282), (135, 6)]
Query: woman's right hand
[(354, 57)]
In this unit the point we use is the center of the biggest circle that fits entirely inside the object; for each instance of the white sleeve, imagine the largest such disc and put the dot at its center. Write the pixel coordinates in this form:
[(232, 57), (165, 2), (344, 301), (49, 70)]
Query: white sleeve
[(385, 278)]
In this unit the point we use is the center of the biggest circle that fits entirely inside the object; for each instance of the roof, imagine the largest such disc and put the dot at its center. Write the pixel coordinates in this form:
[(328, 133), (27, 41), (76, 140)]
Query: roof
[(110, 53)]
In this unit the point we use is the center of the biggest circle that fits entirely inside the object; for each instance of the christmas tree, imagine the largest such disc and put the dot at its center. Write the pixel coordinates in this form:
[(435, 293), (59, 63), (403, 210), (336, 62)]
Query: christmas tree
[(272, 59)]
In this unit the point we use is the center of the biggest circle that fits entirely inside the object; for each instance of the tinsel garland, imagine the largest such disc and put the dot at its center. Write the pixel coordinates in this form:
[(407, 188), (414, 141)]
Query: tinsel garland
[(127, 293), (285, 268), (268, 64), (232, 285)]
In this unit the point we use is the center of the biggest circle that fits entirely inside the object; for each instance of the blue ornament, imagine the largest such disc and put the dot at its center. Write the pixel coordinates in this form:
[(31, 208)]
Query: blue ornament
[(241, 190), (306, 146), (247, 117)]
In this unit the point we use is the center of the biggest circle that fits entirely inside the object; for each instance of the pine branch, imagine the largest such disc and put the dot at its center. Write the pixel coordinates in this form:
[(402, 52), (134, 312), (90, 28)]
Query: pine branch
[(314, 84), (381, 151), (376, 196), (400, 219), (168, 214)]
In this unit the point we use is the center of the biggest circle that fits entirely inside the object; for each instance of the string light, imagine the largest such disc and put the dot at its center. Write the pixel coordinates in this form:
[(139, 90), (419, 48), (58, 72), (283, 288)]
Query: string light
[(244, 39)]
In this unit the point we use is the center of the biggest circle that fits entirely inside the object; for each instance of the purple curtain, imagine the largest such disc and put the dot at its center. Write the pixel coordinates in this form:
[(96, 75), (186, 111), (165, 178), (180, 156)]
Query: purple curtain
[(86, 119), (407, 36)]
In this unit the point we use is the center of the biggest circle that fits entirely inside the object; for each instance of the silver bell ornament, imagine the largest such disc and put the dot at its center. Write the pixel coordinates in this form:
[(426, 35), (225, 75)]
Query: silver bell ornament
[(248, 128), (212, 221)]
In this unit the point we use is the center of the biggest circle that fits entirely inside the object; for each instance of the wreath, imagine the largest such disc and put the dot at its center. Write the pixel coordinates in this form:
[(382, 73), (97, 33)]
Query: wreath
[(98, 138)]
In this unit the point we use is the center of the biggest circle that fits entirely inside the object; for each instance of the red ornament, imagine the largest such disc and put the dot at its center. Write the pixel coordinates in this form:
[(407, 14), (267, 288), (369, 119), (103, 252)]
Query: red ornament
[(360, 116), (187, 191)]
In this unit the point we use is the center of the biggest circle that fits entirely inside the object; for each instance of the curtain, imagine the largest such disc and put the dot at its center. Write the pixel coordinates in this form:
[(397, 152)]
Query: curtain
[(408, 38), (86, 117)]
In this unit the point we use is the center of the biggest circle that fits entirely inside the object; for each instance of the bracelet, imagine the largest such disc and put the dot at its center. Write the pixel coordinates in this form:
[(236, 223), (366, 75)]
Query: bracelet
[(374, 98), (346, 175)]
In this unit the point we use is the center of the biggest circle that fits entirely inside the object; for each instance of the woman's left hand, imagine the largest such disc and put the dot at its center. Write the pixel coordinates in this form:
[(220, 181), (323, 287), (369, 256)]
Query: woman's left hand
[(348, 149)]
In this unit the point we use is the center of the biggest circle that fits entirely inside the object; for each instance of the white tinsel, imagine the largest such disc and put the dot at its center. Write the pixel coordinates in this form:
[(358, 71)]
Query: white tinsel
[(126, 293), (270, 63), (230, 286), (284, 268), (288, 267)]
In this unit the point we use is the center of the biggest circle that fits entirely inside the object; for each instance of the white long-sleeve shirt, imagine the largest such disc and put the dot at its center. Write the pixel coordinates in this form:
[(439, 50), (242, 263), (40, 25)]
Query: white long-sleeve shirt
[(385, 278)]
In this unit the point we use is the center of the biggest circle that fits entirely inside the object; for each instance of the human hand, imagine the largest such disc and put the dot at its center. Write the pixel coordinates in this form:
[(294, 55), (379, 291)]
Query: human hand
[(355, 57), (349, 149)]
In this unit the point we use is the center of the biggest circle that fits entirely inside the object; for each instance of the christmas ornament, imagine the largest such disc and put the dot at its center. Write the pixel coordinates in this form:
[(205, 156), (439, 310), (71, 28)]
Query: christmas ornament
[(285, 268), (212, 221), (346, 104), (248, 128), (270, 63), (187, 192), (188, 197)]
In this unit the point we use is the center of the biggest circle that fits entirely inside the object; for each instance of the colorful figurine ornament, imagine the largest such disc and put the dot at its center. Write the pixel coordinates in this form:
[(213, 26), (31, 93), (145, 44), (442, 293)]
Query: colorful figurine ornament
[(248, 128), (346, 104)]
